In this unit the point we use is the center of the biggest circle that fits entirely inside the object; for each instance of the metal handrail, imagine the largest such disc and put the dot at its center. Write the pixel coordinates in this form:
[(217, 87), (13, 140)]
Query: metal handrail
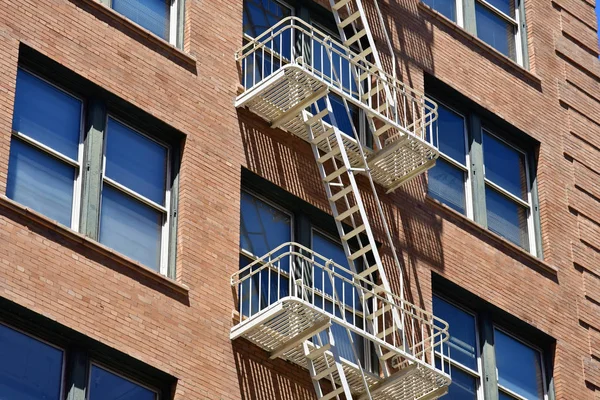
[(294, 42), (348, 299)]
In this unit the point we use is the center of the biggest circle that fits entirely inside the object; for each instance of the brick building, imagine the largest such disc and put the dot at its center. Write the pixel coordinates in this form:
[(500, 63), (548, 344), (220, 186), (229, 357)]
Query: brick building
[(142, 168)]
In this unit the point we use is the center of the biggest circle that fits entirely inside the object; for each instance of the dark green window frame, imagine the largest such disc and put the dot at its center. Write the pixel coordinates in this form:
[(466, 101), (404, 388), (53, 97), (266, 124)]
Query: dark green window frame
[(477, 121), (98, 105), (488, 319)]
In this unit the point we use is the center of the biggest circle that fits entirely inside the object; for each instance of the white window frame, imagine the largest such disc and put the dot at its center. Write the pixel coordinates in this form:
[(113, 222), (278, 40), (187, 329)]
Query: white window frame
[(165, 210), (173, 20), (112, 371), (515, 22), (542, 366), (465, 168), (63, 350), (528, 204), (77, 164), (447, 358)]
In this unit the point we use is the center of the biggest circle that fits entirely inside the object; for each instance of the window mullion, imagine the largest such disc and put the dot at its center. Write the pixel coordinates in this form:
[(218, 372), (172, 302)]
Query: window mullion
[(477, 171), (92, 168), (469, 16), (488, 357), (77, 375)]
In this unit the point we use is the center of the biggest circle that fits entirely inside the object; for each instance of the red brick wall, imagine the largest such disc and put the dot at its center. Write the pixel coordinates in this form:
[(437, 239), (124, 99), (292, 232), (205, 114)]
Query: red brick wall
[(186, 333)]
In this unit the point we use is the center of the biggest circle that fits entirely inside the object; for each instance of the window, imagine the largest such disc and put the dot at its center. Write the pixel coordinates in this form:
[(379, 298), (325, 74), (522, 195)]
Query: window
[(106, 385), (263, 227), (502, 196), (132, 211), (158, 16), (29, 368), (513, 368), (496, 22)]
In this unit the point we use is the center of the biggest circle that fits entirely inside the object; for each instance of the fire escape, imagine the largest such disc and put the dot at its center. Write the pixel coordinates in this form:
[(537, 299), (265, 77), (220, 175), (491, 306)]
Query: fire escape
[(292, 300)]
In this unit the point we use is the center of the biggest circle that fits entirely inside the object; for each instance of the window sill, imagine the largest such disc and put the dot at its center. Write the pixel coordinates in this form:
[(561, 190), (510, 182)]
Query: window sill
[(489, 50), (169, 50), (500, 242), (97, 247)]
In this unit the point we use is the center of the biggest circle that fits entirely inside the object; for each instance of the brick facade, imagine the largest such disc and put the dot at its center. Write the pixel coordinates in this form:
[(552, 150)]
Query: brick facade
[(182, 327)]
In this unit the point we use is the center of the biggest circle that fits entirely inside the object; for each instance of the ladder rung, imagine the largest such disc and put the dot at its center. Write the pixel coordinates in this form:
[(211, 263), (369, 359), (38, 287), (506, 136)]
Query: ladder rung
[(318, 352), (376, 290), (362, 55), (382, 130), (316, 117), (323, 374), (368, 271), (355, 37), (353, 233), (349, 20), (333, 394), (380, 311), (335, 174), (340, 194), (386, 332), (359, 253), (347, 213), (322, 136), (341, 4), (372, 92), (382, 107), (329, 155), (387, 355), (367, 73)]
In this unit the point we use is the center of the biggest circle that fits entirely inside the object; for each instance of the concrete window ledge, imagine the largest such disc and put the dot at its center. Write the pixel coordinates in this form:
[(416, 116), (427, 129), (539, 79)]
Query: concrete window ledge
[(169, 49), (501, 243), (97, 247), (489, 50)]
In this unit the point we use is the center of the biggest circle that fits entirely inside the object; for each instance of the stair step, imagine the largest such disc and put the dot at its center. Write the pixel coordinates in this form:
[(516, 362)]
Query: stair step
[(387, 355), (382, 107), (320, 115), (353, 233), (325, 373), (333, 394), (340, 194), (341, 4), (368, 271), (329, 155), (349, 20), (363, 55), (380, 311), (376, 290), (372, 92), (355, 37), (386, 332), (318, 352), (347, 213), (335, 174), (360, 253), (322, 136), (367, 73), (382, 130)]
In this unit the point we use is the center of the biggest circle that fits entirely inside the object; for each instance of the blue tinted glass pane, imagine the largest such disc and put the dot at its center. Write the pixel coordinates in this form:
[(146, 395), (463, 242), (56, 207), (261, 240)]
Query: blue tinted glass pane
[(340, 113), (462, 346), (445, 7), (263, 227), (519, 366), (449, 134), (506, 6), (463, 387), (29, 369), (47, 114), (446, 183), (105, 385), (136, 162), (495, 31), (504, 166), (40, 181), (504, 396), (506, 218), (150, 14), (260, 15), (130, 227)]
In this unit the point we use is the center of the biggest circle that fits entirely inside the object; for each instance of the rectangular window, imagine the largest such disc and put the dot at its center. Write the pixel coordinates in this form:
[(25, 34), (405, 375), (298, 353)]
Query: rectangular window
[(107, 385), (502, 191), (158, 16), (44, 169), (462, 350), (132, 215), (496, 22), (29, 368)]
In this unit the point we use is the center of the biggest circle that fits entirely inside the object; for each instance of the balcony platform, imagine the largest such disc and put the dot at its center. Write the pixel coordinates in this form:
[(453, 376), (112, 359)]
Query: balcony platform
[(282, 98)]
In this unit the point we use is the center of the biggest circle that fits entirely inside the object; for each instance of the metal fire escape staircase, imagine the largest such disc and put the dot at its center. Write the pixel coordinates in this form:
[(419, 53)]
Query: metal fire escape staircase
[(292, 73)]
